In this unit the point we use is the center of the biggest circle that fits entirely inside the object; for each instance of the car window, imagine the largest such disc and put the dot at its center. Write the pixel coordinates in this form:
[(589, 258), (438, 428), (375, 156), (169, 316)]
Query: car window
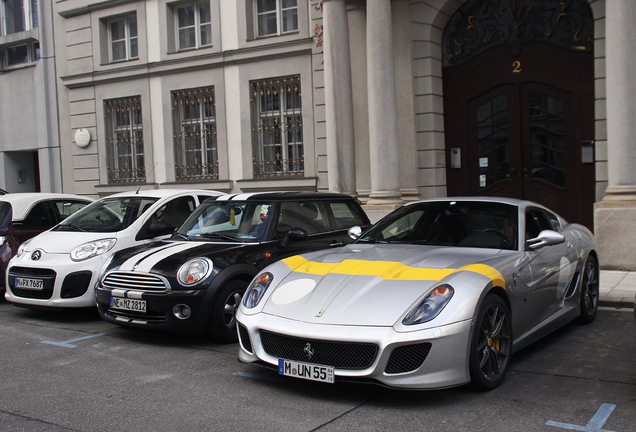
[(41, 215), (536, 221), (309, 216), (174, 213), (65, 208), (230, 219), (345, 215), (450, 223), (6, 213), (107, 215)]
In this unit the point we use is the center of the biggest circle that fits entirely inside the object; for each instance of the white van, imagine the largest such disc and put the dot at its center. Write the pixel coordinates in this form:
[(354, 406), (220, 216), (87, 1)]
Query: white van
[(58, 268)]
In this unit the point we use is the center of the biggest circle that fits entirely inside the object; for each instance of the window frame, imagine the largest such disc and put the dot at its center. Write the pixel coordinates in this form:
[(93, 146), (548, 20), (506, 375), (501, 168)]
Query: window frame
[(29, 16), (127, 39), (133, 129), (279, 13), (196, 26), (206, 133), (33, 55), (268, 124)]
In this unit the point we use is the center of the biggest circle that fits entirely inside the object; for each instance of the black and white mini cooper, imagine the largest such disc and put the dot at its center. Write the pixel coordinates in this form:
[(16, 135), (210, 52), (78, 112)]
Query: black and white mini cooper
[(193, 282)]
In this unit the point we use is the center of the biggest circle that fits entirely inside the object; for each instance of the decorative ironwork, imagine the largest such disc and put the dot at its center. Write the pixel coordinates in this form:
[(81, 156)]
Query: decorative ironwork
[(479, 25), (277, 127), (124, 140), (195, 137)]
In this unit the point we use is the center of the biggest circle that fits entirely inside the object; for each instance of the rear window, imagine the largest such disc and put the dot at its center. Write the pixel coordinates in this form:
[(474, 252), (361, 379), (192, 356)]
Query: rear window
[(5, 215)]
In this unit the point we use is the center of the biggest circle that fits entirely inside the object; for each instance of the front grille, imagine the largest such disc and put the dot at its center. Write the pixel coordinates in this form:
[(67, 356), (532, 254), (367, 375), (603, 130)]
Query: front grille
[(245, 338), (407, 358), (135, 281), (47, 276), (341, 355)]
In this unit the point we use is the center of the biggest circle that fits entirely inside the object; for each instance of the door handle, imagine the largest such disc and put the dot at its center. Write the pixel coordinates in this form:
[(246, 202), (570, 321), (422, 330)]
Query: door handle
[(335, 243)]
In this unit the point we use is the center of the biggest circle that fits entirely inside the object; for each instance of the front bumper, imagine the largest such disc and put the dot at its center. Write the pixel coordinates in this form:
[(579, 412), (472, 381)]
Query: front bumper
[(160, 309), (445, 364), (65, 284)]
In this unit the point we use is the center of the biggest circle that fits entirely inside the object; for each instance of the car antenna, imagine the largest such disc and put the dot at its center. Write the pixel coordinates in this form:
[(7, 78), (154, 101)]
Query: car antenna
[(149, 172)]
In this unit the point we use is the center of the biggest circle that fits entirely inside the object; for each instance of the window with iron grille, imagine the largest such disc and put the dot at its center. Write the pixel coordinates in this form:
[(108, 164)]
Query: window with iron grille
[(124, 140), (276, 17), (194, 126), (122, 34), (193, 25), (277, 127)]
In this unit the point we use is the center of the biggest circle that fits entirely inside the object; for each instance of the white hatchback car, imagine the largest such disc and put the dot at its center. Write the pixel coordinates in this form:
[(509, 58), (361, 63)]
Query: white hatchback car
[(59, 268)]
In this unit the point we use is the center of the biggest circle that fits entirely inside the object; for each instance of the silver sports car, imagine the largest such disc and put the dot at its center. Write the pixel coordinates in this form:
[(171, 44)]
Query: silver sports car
[(437, 294)]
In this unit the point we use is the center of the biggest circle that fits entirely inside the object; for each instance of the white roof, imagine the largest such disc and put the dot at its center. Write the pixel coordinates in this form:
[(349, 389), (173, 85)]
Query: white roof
[(161, 193), (21, 203)]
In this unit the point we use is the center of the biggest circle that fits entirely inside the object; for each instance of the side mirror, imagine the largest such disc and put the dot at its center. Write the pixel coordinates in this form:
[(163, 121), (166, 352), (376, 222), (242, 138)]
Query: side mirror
[(294, 234), (354, 232), (545, 238)]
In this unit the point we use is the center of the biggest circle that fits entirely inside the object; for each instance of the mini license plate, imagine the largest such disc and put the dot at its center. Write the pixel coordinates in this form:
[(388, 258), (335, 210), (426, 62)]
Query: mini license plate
[(307, 371), (128, 304), (28, 283)]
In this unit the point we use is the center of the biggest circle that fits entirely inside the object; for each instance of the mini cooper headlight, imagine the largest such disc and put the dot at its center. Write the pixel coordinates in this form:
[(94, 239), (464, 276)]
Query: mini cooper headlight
[(431, 306), (194, 271), (255, 292), (22, 248), (92, 249)]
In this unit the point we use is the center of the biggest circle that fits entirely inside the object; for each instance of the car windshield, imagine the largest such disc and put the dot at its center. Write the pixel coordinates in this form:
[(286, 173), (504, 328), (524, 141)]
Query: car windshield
[(5, 215), (450, 223), (107, 215), (231, 221)]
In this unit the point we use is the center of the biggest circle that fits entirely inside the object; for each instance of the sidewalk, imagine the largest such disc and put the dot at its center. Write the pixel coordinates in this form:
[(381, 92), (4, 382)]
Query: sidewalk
[(617, 288)]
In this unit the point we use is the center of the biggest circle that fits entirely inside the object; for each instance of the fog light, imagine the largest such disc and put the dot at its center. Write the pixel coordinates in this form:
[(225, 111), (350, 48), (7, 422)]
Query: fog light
[(182, 311)]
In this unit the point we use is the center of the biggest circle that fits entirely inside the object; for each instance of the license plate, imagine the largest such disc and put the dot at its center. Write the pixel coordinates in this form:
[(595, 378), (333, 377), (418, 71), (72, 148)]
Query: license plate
[(307, 371), (28, 283), (128, 304)]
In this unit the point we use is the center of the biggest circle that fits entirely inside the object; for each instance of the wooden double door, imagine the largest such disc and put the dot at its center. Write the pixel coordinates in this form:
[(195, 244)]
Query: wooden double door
[(522, 125)]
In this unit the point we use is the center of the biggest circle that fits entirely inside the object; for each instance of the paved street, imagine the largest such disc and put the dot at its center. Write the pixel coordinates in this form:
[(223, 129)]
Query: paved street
[(73, 372)]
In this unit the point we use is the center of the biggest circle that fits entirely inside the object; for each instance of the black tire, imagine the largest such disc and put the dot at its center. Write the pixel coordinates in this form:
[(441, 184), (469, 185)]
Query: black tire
[(589, 291), (491, 344), (222, 325)]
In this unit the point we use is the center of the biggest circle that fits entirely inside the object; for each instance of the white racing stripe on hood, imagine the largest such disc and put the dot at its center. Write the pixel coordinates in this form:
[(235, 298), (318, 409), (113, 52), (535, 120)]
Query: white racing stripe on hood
[(146, 260)]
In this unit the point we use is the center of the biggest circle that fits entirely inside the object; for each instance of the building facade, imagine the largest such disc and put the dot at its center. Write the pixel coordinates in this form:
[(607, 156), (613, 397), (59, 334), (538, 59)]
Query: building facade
[(29, 138), (388, 100)]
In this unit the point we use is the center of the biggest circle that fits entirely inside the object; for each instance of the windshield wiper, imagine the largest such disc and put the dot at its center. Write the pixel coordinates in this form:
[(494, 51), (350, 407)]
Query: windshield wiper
[(181, 236), (69, 227), (219, 236)]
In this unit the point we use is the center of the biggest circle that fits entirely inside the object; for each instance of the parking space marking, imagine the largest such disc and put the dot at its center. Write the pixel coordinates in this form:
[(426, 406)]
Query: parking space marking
[(594, 425), (69, 343)]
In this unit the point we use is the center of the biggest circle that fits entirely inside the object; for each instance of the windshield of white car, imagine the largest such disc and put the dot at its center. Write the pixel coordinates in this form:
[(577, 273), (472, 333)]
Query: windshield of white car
[(450, 223), (228, 221), (107, 215)]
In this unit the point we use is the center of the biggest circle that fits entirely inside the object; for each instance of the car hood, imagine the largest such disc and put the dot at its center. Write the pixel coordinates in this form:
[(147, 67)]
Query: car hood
[(63, 242), (371, 285)]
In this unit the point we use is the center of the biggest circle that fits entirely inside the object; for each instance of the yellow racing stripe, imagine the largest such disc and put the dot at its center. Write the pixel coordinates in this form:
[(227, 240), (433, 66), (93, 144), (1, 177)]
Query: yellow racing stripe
[(388, 270)]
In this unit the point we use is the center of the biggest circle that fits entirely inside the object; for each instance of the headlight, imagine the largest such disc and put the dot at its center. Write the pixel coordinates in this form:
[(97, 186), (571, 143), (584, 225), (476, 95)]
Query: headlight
[(22, 248), (430, 307), (92, 249), (255, 292), (194, 271)]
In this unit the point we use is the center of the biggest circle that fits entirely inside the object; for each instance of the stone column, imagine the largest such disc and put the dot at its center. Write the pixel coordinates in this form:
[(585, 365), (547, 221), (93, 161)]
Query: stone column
[(383, 145), (338, 99), (615, 214)]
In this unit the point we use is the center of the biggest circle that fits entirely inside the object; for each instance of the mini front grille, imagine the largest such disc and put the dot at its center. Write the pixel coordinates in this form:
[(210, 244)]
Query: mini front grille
[(407, 358), (341, 355), (134, 281)]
